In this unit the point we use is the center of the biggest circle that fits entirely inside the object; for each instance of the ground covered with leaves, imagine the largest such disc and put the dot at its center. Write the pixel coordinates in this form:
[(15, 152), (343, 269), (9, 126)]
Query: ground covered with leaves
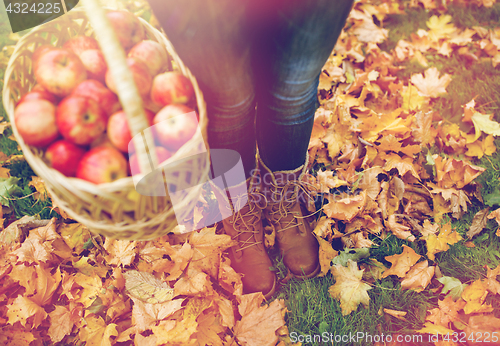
[(405, 174)]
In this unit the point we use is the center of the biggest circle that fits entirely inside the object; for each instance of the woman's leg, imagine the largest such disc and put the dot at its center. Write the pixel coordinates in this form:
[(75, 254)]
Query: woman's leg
[(288, 62), (210, 37), (211, 41)]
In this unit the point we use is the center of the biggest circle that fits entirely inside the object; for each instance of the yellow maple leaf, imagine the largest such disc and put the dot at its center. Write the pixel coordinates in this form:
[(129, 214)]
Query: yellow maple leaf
[(440, 242), (23, 308), (97, 332), (474, 295), (440, 27), (431, 328), (401, 263), (348, 287), (479, 148), (430, 84), (326, 254), (120, 251), (92, 285)]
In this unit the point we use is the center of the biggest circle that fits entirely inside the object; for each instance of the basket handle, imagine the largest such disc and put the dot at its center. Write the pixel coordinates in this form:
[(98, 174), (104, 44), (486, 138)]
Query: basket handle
[(126, 89)]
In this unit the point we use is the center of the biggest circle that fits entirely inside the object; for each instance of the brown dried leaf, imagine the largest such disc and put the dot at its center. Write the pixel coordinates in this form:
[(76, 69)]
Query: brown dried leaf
[(478, 223)]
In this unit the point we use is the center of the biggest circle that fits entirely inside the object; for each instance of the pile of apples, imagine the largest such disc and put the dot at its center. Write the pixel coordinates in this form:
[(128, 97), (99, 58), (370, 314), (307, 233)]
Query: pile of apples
[(74, 113)]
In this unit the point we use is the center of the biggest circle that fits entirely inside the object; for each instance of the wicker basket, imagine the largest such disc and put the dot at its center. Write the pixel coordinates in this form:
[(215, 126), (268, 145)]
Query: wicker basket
[(116, 209)]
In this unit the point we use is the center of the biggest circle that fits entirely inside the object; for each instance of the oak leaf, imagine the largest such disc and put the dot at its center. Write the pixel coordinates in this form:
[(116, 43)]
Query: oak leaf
[(418, 277), (401, 263), (348, 287), (430, 84), (259, 323)]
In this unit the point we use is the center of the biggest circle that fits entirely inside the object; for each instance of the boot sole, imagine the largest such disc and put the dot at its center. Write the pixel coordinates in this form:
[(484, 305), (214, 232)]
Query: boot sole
[(272, 291), (314, 273)]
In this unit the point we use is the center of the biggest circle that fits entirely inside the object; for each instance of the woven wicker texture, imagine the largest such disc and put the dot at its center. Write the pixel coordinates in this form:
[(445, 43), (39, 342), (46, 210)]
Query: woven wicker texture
[(116, 209)]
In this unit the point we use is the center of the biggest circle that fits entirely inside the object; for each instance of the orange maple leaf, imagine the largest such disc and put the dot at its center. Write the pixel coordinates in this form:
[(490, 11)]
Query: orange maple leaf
[(418, 277), (401, 263), (259, 323)]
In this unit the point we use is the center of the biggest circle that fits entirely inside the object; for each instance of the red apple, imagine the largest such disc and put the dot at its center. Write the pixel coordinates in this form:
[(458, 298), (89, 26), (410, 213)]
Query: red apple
[(102, 141), (60, 71), (99, 93), (39, 94), (151, 53), (142, 77), (39, 52), (128, 28), (119, 132), (102, 165), (36, 122), (79, 44), (161, 153), (175, 125), (80, 119), (95, 64), (171, 87), (64, 156)]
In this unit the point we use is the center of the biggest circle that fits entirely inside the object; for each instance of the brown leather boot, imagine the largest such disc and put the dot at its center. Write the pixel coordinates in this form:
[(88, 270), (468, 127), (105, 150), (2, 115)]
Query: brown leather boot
[(294, 236), (244, 224)]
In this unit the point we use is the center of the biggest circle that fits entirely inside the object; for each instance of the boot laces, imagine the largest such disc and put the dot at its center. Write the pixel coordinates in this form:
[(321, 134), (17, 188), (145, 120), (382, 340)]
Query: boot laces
[(246, 219), (283, 202)]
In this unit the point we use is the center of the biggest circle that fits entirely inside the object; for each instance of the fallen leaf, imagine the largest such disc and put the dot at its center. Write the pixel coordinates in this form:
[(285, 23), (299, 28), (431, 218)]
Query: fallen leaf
[(259, 323), (348, 287), (446, 312), (326, 254), (452, 285), (430, 84), (401, 263), (146, 287), (400, 315), (478, 223), (418, 277)]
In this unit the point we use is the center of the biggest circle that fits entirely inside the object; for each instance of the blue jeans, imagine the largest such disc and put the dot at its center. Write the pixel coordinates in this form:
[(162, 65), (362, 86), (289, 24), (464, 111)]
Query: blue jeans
[(258, 64)]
